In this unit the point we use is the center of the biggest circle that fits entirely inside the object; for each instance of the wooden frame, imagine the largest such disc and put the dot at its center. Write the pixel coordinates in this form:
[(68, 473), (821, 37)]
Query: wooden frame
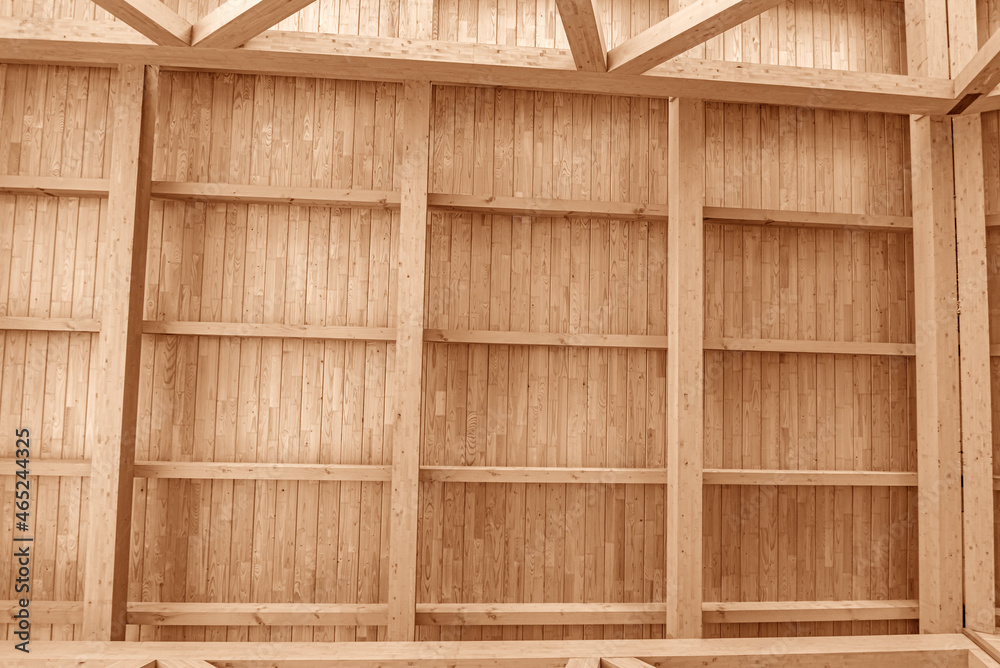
[(946, 381), (390, 59)]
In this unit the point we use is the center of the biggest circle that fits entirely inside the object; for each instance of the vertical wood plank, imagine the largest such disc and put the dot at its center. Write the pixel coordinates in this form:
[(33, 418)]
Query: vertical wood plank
[(119, 346), (685, 324), (409, 360)]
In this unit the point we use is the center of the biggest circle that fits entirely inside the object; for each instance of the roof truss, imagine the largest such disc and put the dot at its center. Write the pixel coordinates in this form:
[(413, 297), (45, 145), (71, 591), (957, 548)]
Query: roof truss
[(583, 30), (677, 33), (151, 18), (394, 59), (236, 21)]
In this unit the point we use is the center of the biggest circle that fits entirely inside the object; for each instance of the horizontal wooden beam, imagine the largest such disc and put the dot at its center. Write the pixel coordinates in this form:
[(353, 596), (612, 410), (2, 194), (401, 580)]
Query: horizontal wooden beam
[(57, 468), (396, 59), (44, 612), (28, 324), (260, 471), (535, 207), (651, 342), (489, 337), (541, 207), (258, 614), (810, 478), (548, 475), (782, 218), (538, 614), (808, 611), (482, 614), (685, 29), (901, 651), (268, 330), (811, 347), (53, 186), (266, 194)]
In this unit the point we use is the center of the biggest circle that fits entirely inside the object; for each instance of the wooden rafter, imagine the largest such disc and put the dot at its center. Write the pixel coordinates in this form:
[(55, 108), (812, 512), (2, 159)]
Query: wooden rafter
[(584, 33), (409, 361), (151, 18), (119, 343), (677, 33), (236, 21), (392, 59)]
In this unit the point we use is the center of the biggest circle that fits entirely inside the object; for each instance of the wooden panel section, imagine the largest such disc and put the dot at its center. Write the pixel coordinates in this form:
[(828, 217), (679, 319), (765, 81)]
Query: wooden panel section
[(538, 406), (269, 400), (52, 121), (767, 157), (808, 411), (269, 390)]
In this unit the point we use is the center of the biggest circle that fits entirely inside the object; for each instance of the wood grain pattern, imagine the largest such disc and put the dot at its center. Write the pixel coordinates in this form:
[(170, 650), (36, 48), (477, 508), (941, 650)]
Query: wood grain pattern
[(268, 388)]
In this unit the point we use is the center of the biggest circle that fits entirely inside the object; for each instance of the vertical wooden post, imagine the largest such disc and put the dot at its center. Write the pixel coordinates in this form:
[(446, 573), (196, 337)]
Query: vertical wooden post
[(409, 361), (123, 272), (939, 492), (685, 363), (974, 338), (939, 415)]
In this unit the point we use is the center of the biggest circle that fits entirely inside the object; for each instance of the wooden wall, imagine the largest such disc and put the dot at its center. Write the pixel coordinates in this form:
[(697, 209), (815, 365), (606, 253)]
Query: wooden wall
[(261, 400)]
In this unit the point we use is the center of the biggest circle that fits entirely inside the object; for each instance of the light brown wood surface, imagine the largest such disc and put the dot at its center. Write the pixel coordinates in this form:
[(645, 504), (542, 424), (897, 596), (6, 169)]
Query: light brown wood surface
[(523, 468)]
